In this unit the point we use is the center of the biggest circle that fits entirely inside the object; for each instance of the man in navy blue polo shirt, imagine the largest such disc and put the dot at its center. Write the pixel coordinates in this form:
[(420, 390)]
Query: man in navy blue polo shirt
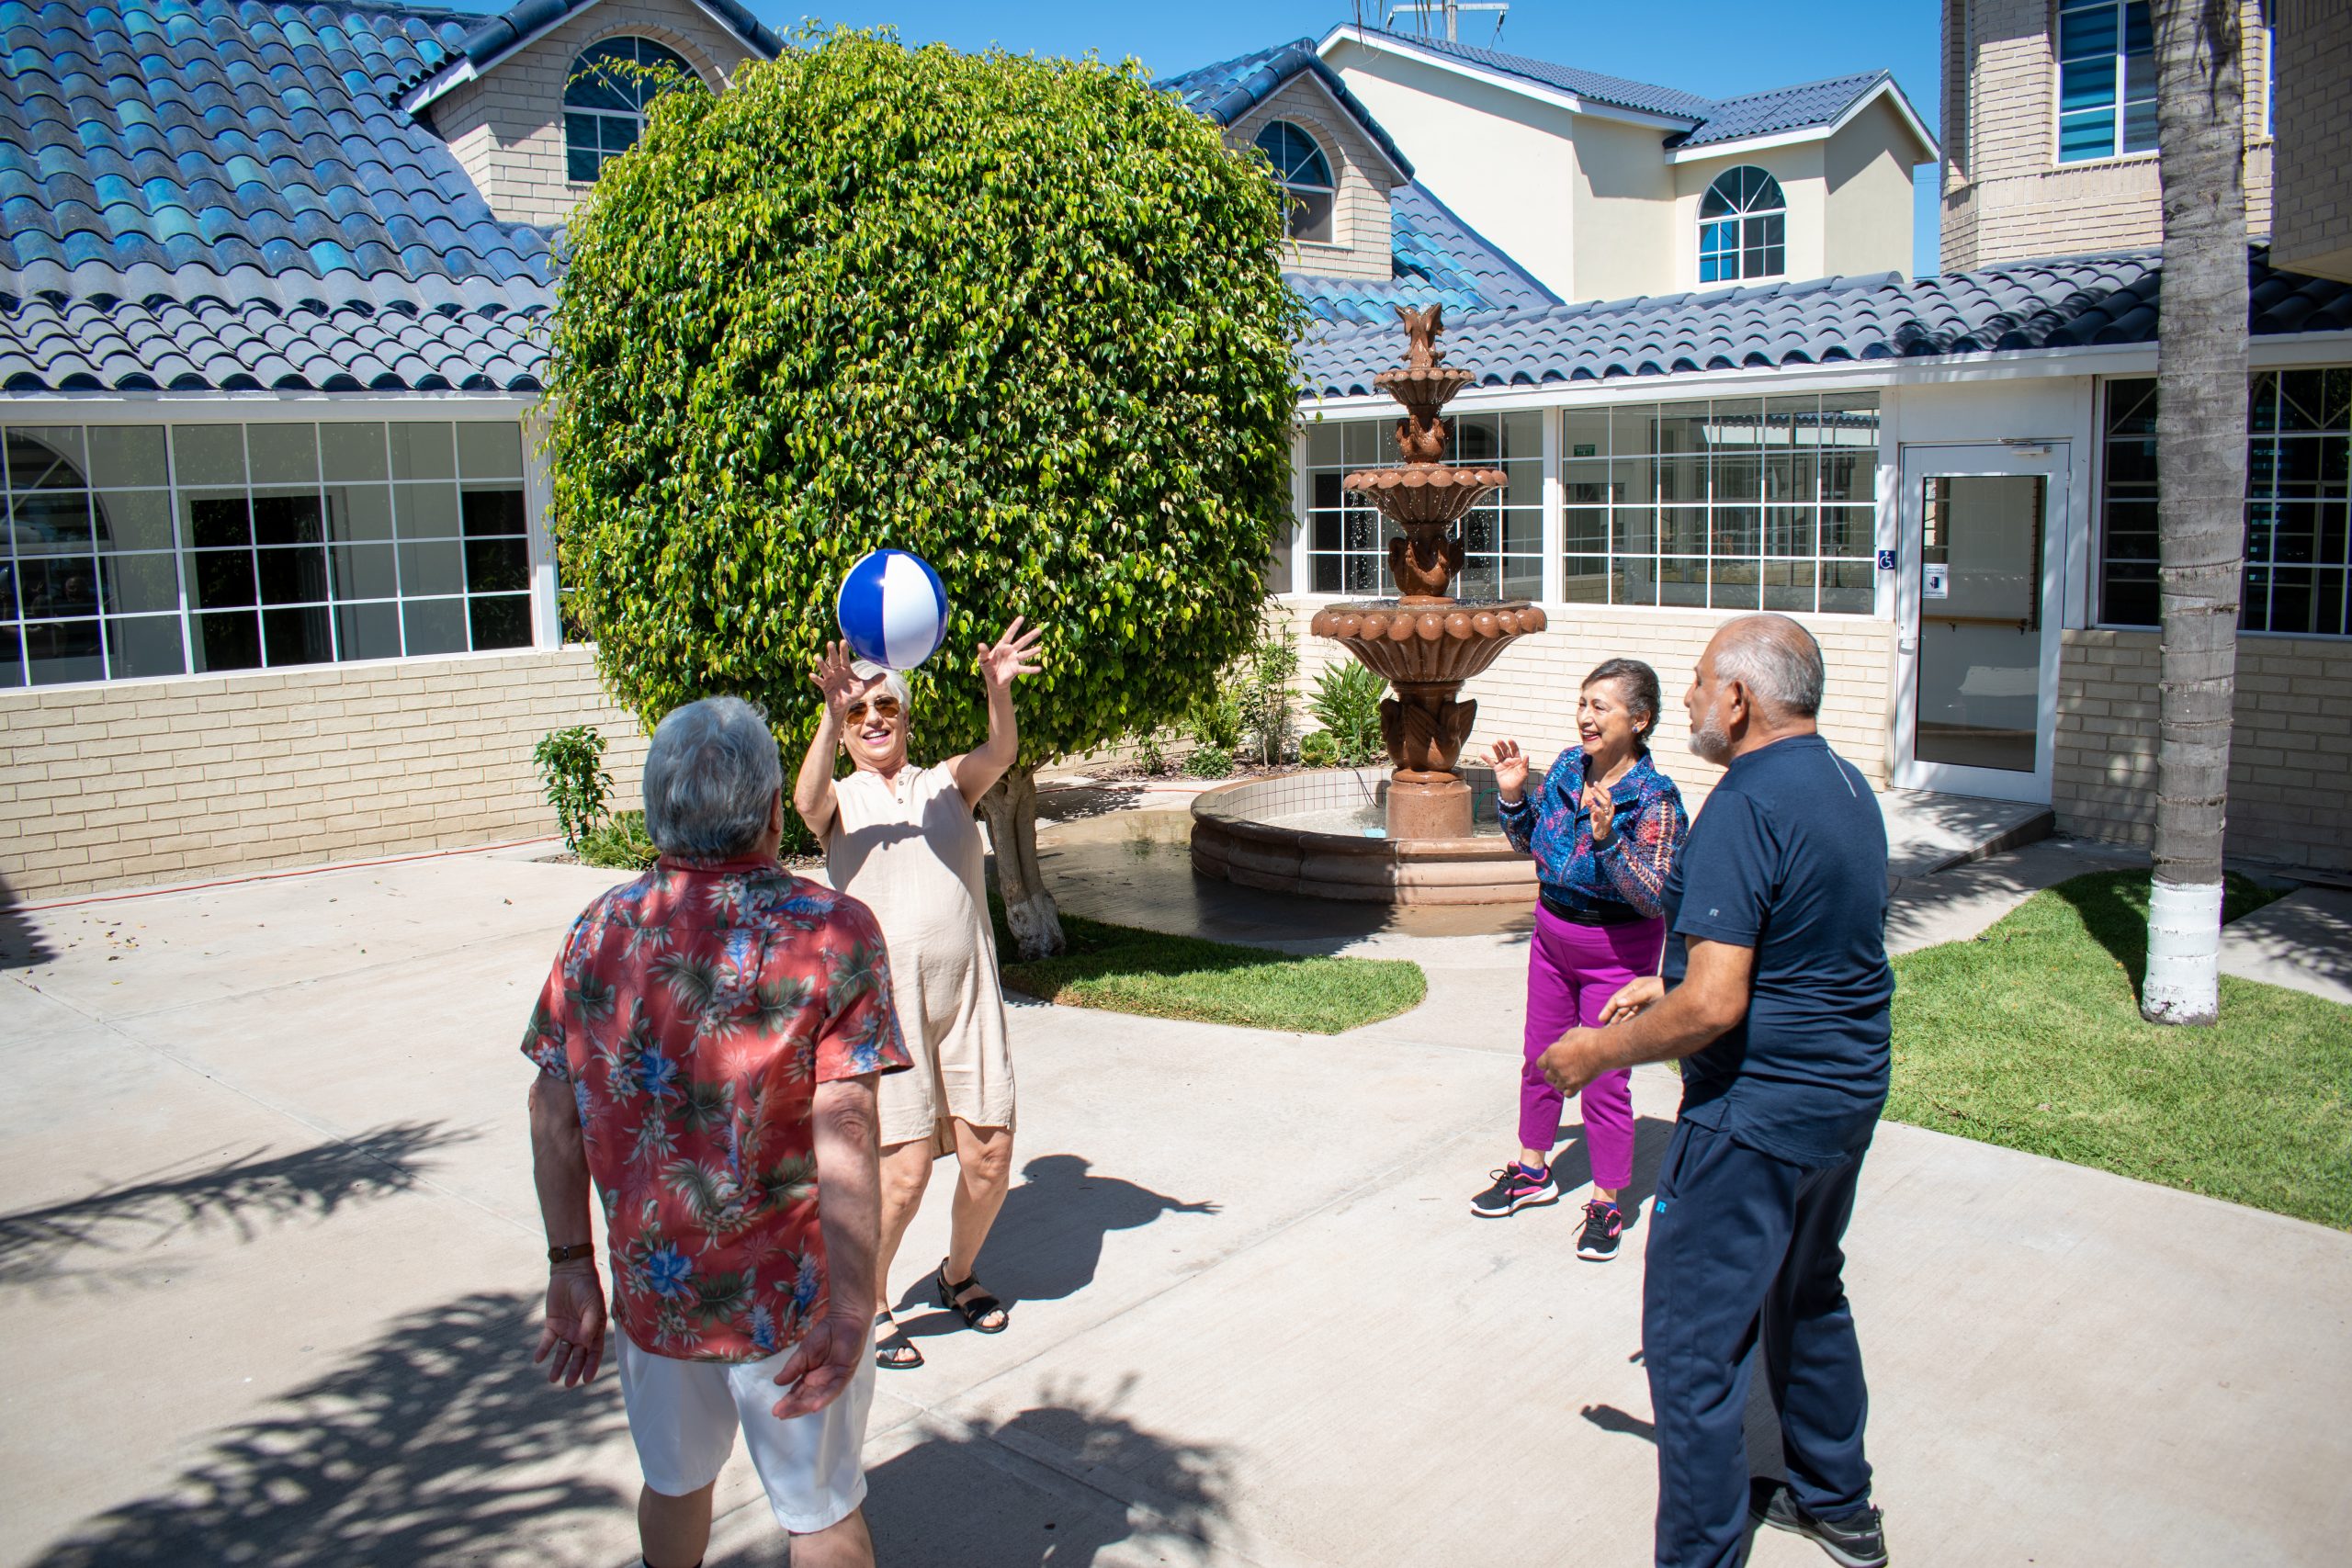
[(1774, 996)]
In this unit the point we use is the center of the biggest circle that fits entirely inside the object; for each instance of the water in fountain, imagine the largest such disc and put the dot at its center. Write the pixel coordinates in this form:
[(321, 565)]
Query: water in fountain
[(1425, 643)]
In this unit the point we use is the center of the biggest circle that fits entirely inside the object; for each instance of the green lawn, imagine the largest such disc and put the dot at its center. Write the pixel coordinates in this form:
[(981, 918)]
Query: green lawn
[(1123, 969), (2030, 1037)]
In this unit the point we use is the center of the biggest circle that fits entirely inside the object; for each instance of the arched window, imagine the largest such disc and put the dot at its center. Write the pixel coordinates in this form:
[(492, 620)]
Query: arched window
[(1743, 227), (1305, 176), (604, 101)]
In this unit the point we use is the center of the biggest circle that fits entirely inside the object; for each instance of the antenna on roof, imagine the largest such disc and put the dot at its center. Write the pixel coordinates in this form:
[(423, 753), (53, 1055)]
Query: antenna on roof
[(1450, 10)]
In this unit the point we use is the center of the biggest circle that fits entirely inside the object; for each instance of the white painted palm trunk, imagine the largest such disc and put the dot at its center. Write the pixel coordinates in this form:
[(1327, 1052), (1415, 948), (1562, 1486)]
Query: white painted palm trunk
[(2184, 983)]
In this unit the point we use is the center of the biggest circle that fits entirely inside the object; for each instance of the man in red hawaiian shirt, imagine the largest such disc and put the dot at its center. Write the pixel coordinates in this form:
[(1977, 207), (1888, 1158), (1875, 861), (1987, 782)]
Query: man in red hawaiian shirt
[(708, 1048)]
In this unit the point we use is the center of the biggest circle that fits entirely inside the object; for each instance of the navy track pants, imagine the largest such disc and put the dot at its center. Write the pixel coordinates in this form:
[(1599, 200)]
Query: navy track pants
[(1744, 1246)]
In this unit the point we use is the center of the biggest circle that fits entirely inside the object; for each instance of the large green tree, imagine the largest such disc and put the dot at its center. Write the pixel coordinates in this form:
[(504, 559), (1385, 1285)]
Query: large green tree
[(1021, 316)]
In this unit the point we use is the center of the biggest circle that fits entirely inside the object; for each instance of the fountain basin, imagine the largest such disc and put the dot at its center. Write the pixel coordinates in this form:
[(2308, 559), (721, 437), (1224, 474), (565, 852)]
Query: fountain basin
[(1306, 832), (1433, 493), (1408, 643)]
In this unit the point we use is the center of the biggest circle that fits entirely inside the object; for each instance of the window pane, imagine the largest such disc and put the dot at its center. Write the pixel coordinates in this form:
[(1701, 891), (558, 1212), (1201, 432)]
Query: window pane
[(2139, 127), (2086, 83), (1584, 580), (359, 512), (434, 626), (492, 511), (1635, 581), (1737, 531), (59, 651), (2087, 30), (147, 646), (437, 566), (1789, 530), (352, 452), (283, 454), (1682, 530), (230, 641), (1584, 434), (579, 163), (426, 511), (1636, 529), (287, 519), (618, 133), (127, 455), (137, 583), (1847, 587), (58, 586), (51, 522), (220, 520), (298, 637), (1734, 585), (503, 622), (364, 571), (2082, 135), (12, 656), (1848, 531), (1787, 585), (220, 578), (368, 631), (1738, 479), (45, 457), (497, 566), (422, 451), (208, 453), (297, 576), (133, 519), (489, 451), (1682, 583), (1584, 531)]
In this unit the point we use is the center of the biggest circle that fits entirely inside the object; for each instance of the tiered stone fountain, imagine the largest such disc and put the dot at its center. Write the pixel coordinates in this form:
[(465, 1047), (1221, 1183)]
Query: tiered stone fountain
[(1425, 643)]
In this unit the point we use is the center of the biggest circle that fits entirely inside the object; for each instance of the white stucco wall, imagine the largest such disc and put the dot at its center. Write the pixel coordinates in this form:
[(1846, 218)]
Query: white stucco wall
[(1506, 162), (1869, 224), (1622, 227)]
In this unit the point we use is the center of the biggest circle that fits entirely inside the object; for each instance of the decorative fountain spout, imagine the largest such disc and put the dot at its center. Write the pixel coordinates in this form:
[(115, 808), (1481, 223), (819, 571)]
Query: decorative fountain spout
[(1425, 642)]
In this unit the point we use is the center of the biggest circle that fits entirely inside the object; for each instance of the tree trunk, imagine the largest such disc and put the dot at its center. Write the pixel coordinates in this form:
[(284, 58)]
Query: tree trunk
[(2200, 507), (1011, 808)]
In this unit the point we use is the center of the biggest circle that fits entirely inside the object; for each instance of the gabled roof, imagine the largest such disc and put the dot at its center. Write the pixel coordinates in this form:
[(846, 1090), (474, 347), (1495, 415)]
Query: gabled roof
[(1689, 119), (1229, 89), (240, 170), (490, 41), (1436, 257), (2059, 303)]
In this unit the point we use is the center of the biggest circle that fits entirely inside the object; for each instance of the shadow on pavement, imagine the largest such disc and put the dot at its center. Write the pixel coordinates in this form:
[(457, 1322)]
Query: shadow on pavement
[(1047, 1241), (971, 1500), (1572, 1164), (427, 1446), (118, 1221), (21, 943)]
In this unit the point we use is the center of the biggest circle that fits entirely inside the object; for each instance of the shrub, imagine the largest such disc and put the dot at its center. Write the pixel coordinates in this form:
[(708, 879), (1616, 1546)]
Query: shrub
[(1025, 318), (1347, 704), (1208, 763), (618, 842), (571, 765), (1317, 750), (1265, 695), (1151, 755), (1217, 720)]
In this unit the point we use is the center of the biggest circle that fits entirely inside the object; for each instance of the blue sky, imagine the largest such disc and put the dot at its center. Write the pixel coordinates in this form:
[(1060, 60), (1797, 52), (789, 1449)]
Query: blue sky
[(1712, 47)]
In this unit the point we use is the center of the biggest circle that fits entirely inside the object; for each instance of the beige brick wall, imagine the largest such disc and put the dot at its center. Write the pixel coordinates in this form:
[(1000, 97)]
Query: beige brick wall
[(147, 782), (2313, 231), (506, 127), (2005, 195), (2291, 751), (1360, 219), (1530, 694)]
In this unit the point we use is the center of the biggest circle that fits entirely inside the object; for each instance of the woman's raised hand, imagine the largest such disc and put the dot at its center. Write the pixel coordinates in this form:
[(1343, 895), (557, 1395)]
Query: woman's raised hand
[(1012, 656), (1601, 808), (834, 680), (1632, 999), (1510, 768)]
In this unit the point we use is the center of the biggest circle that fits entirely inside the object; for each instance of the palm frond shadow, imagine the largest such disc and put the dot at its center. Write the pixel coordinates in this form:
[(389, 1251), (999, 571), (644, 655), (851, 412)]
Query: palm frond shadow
[(115, 1223)]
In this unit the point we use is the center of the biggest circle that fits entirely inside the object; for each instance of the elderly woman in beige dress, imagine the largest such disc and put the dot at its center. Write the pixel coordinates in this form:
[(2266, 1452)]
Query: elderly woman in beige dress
[(900, 838)]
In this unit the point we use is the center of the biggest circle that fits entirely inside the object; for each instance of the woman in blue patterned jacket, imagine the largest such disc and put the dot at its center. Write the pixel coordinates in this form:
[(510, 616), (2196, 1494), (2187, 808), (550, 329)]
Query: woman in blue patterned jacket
[(1604, 827)]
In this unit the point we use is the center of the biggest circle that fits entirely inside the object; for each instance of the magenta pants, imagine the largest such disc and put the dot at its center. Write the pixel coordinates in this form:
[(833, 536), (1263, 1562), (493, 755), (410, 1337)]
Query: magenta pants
[(1572, 971)]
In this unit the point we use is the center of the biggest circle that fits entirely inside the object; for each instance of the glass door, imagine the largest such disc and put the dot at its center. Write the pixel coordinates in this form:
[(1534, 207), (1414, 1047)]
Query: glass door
[(1978, 595)]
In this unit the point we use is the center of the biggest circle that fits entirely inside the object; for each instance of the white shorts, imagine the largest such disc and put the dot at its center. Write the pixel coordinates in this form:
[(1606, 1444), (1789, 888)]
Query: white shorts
[(683, 1415)]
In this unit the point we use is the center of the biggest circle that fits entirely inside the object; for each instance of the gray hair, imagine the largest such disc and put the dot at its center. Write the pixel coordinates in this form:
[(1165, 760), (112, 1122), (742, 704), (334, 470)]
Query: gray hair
[(711, 776), (892, 681), (1776, 660)]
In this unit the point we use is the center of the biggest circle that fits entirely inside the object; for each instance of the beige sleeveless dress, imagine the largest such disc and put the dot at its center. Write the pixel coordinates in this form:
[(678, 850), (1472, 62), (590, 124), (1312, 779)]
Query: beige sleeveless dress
[(914, 858)]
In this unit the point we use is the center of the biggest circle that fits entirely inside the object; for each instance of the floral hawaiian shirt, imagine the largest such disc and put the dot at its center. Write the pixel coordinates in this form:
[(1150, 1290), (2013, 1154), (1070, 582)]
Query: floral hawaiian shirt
[(1648, 825), (694, 1011)]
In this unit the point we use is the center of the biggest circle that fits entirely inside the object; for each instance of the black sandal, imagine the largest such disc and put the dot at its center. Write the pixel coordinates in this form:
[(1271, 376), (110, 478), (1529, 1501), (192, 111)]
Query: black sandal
[(980, 1306), (900, 1357)]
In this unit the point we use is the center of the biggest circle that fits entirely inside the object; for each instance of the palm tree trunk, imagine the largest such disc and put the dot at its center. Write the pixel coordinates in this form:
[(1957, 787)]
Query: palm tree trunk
[(1010, 807), (2201, 509)]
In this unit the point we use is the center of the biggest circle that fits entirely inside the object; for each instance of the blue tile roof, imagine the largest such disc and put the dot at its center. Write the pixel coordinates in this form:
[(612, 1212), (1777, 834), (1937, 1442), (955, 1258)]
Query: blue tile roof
[(246, 162), (1709, 119), (1229, 89), (2052, 303), (1436, 257)]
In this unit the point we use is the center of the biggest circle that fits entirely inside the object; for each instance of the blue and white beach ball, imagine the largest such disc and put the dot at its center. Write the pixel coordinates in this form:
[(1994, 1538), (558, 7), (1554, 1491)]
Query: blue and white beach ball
[(892, 609)]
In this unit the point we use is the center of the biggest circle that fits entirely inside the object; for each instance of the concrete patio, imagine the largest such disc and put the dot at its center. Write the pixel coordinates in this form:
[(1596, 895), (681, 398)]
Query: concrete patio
[(271, 1261)]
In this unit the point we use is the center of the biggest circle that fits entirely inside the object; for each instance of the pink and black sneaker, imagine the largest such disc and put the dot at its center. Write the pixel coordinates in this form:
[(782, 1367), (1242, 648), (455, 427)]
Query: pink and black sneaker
[(1515, 1188), (1603, 1225)]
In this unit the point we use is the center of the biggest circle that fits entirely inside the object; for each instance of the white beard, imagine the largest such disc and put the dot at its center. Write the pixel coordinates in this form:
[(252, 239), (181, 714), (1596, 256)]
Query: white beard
[(1710, 744)]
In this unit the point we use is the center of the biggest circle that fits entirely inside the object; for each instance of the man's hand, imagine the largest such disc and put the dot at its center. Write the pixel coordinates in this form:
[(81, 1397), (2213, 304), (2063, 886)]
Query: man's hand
[(835, 682), (573, 1334), (822, 1365), (1632, 998), (1573, 1060), (1510, 769), (1010, 658)]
